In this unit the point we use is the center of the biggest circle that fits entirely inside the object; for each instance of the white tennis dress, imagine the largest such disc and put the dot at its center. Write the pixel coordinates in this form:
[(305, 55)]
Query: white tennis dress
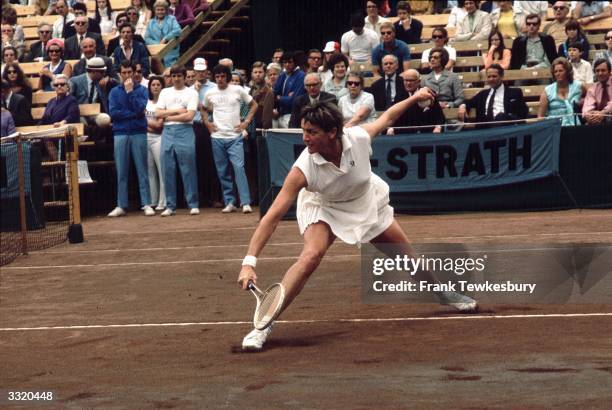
[(352, 200)]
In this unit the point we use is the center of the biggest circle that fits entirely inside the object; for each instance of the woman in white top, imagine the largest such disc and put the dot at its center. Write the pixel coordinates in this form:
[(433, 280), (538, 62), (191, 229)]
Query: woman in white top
[(337, 196), (105, 16), (144, 15), (336, 85), (439, 37), (456, 15), (357, 106), (154, 130)]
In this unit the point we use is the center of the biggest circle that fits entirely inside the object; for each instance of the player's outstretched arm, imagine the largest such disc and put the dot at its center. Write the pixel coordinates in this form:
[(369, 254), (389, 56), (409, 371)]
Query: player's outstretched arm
[(388, 117), (291, 187)]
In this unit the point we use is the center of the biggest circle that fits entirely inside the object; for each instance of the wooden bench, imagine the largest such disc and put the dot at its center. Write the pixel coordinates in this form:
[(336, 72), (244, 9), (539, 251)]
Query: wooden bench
[(86, 110), (32, 69), (34, 21), (37, 128), (23, 11)]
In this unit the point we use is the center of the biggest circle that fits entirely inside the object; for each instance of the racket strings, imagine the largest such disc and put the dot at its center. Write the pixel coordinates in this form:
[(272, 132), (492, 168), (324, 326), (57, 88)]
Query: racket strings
[(270, 305)]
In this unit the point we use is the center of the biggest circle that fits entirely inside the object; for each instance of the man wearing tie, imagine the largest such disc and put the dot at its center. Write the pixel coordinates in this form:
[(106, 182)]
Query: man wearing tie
[(598, 103), (389, 89), (73, 44), (496, 103), (38, 48), (93, 86)]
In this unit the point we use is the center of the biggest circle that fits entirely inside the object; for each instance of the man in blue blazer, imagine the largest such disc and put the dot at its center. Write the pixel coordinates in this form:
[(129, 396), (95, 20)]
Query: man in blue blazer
[(93, 86), (131, 50)]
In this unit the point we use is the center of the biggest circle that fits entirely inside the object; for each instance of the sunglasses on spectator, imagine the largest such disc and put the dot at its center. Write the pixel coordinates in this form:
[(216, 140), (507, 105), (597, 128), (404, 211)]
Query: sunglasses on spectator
[(80, 23), (557, 8), (312, 85), (386, 33), (533, 23), (608, 38), (57, 85), (54, 50), (438, 36), (436, 57), (354, 83), (11, 71)]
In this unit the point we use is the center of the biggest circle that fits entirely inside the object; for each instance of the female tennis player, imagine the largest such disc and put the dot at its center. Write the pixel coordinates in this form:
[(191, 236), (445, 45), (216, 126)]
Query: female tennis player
[(337, 196)]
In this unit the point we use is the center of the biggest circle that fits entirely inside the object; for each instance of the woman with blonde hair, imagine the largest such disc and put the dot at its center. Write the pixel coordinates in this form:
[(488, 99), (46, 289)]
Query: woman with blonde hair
[(561, 98)]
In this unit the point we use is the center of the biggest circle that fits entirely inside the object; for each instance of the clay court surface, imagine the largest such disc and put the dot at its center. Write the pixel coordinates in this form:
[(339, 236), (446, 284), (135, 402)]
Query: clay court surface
[(146, 314)]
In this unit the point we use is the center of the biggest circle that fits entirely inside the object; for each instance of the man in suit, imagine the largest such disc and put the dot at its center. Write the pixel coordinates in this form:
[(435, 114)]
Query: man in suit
[(390, 88), (312, 84), (72, 46), (89, 50), (132, 50), (80, 10), (38, 50), (476, 25), (17, 104), (94, 86), (497, 103), (115, 42), (534, 50), (418, 114)]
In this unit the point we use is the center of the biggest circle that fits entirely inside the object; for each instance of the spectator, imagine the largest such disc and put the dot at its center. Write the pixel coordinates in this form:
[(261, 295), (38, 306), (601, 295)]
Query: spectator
[(163, 29), (498, 53), (7, 125), (496, 103), (556, 28), (607, 53), (357, 106), (312, 84), (133, 18), (190, 78), (357, 44), (315, 59), (562, 96), (9, 16), (457, 14), (574, 35), (533, 50), (17, 104), (476, 25), (589, 11), (139, 78), (446, 84), (390, 88), (277, 55), (9, 56), (60, 110), (80, 10), (9, 40), (407, 28), (57, 65), (38, 49), (418, 114), (94, 86), (182, 12), (177, 107), (525, 8), (263, 96), (583, 71), (597, 103), (114, 42), (131, 50), (105, 17), (288, 87), (331, 48), (506, 20), (273, 71), (61, 8), (336, 85), (17, 80), (72, 45), (372, 20), (144, 16), (390, 45), (439, 39), (128, 102), (154, 131), (228, 63), (226, 130), (88, 50)]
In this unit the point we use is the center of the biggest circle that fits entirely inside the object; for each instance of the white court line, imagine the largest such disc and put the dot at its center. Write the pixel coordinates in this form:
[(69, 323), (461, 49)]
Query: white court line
[(271, 258), (72, 251), (365, 320)]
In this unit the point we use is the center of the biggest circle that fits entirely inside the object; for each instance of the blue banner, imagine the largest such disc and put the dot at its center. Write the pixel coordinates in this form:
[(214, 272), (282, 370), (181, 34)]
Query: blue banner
[(9, 188), (448, 161)]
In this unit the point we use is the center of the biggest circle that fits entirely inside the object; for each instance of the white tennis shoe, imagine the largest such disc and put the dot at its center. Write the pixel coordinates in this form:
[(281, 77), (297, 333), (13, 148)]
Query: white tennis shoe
[(229, 208), (256, 338), (462, 303), (148, 211), (117, 212)]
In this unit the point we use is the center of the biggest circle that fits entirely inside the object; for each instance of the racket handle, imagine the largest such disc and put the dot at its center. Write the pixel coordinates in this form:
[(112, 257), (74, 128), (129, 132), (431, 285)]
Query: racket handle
[(250, 285)]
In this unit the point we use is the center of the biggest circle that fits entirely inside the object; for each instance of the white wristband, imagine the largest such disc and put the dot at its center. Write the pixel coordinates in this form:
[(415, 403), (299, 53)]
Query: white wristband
[(249, 260)]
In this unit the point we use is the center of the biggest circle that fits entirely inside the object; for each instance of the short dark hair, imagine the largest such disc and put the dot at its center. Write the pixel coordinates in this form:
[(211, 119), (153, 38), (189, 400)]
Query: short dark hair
[(124, 25), (155, 78), (497, 67), (576, 44), (288, 55), (533, 16), (127, 64), (258, 64), (324, 115), (313, 50), (443, 55), (120, 16), (223, 69), (357, 20), (337, 58), (602, 61), (80, 6), (572, 24), (443, 31), (404, 5), (178, 69)]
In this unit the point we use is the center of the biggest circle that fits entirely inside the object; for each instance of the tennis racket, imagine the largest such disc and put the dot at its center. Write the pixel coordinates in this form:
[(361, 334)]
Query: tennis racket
[(269, 304)]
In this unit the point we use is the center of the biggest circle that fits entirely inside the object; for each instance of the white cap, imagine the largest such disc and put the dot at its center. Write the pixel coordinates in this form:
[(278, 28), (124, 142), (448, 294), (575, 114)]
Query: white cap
[(330, 47), (199, 64)]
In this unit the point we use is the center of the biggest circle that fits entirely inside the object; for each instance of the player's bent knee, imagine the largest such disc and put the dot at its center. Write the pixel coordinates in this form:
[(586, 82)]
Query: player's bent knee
[(311, 258)]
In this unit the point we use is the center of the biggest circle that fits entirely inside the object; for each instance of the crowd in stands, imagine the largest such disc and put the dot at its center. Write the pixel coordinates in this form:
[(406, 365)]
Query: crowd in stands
[(104, 59)]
